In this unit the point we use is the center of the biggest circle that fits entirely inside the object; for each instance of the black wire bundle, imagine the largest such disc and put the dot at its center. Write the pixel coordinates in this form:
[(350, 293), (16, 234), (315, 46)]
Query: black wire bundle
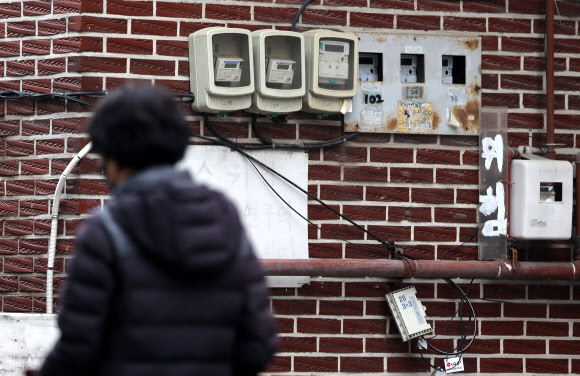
[(297, 17), (13, 95)]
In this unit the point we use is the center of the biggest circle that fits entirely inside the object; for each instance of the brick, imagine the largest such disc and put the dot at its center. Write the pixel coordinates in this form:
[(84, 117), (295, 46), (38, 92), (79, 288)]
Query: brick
[(8, 246), (498, 291), (490, 81), (534, 63), (411, 214), (20, 187), (501, 365), (33, 246), (75, 44), (229, 129), (99, 24), (453, 176), (78, 206), (177, 10), (40, 265), (470, 158), (279, 364), (546, 365), (464, 23), (407, 364), (10, 10), (97, 64), (324, 250), (45, 187), (565, 347), (17, 304), (37, 86), (229, 12), (485, 346), (34, 167), (152, 67), (341, 345), (524, 120), (35, 47), (349, 3), (319, 212), (564, 311), (318, 364), (411, 175), (36, 8), (365, 213), (548, 292), (19, 148), (361, 364), (433, 156), (10, 284), (540, 139), (573, 102), (455, 215), (345, 154), (386, 345), (518, 44), (274, 15), (317, 325), (522, 82), (285, 325), (366, 289), (294, 307), (347, 232), (32, 284), (547, 329), (489, 43), (432, 233), (51, 26), (500, 62), (388, 194), (567, 83), (366, 173), (67, 125), (454, 252), (393, 4), (510, 25), (20, 107), (9, 49), (513, 310), (365, 326), (51, 66), (355, 251), (19, 68), (391, 233), (524, 346), (297, 344), (527, 7), (20, 29), (340, 308), (173, 48), (563, 27), (186, 28), (372, 20), (9, 128), (18, 264), (130, 8), (501, 328), (418, 22), (518, 139), (510, 100), (323, 17), (391, 155), (321, 289), (130, 46)]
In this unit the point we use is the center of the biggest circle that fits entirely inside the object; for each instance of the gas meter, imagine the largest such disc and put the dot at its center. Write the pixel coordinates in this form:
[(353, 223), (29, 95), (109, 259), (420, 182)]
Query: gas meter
[(221, 69), (331, 71), (279, 71)]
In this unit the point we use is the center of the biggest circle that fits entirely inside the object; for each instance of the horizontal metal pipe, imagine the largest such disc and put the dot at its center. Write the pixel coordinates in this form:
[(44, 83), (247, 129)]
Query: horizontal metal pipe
[(424, 269)]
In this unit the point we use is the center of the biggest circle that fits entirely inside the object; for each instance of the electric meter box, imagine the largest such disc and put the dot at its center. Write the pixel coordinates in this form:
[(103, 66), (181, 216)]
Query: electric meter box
[(279, 71), (331, 70), (221, 69), (409, 313), (541, 199), (418, 84)]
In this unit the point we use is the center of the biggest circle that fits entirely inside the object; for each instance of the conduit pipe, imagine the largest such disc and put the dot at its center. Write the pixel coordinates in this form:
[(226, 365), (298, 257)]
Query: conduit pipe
[(54, 224), (551, 153), (577, 243), (423, 269)]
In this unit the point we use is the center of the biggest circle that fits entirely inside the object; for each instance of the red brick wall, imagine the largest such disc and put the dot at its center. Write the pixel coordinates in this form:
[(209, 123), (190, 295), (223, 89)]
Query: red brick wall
[(420, 191)]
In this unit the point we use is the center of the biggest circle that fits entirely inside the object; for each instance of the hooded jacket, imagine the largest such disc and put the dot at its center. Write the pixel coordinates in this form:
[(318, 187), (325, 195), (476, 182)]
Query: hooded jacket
[(191, 300)]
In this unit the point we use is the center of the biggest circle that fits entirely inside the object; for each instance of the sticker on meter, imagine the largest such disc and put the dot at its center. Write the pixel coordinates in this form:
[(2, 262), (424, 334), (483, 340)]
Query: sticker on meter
[(454, 365), (410, 302), (415, 117)]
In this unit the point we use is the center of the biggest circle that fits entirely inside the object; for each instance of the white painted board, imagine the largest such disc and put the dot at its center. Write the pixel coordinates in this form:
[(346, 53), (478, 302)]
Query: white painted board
[(25, 341), (274, 229)]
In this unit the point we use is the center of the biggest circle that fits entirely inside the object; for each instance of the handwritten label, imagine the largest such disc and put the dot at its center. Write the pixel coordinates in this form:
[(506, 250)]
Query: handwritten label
[(415, 117)]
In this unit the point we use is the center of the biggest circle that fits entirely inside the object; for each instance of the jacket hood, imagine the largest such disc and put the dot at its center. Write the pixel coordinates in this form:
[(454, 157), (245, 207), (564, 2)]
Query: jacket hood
[(179, 224)]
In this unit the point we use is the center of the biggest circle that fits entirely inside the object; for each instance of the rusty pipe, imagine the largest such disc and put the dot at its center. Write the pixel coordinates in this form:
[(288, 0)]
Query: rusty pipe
[(423, 269), (577, 242), (551, 153)]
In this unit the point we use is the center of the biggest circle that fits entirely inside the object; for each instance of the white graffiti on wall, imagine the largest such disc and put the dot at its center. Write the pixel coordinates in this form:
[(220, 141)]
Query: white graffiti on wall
[(493, 149)]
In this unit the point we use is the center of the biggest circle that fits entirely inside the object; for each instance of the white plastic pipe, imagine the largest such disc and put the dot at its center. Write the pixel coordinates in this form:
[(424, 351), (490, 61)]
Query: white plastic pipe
[(54, 224)]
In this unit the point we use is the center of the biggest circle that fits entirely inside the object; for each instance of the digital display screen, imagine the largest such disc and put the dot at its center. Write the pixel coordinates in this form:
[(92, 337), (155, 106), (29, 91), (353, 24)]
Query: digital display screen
[(444, 62), (365, 60), (406, 61), (334, 48), (283, 67), (230, 65)]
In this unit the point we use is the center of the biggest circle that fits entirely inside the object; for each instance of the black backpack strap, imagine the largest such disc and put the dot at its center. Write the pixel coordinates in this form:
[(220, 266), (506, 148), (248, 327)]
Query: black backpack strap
[(121, 242)]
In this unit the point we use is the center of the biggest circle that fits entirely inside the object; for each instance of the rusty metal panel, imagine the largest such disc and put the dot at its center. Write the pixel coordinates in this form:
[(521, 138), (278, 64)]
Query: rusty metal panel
[(493, 179), (429, 102)]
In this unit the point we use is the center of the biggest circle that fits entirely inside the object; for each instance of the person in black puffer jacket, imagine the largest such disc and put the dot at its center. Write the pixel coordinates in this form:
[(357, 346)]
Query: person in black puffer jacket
[(185, 294)]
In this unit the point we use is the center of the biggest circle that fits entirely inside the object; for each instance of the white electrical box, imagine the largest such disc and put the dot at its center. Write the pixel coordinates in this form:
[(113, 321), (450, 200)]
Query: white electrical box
[(331, 70), (221, 69), (279, 71), (541, 199), (409, 313)]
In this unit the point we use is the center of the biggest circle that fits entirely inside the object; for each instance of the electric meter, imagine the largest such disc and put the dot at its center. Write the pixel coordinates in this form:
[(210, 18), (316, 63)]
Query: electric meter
[(368, 67), (279, 71), (408, 68), (447, 69), (331, 70), (221, 69)]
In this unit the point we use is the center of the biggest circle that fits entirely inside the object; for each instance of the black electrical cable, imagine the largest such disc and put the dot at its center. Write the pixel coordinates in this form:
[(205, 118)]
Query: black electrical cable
[(297, 17)]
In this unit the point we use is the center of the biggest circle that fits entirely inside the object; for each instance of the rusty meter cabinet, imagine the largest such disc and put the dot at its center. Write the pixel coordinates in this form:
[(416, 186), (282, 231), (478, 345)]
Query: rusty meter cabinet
[(417, 84)]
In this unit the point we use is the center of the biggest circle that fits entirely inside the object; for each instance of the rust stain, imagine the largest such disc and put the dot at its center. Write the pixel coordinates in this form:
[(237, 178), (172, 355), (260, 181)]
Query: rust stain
[(468, 115), (351, 127), (472, 45), (436, 120), (392, 124)]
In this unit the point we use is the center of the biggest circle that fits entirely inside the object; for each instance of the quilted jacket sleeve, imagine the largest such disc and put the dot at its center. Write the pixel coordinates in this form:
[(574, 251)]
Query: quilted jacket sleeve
[(85, 306), (257, 333)]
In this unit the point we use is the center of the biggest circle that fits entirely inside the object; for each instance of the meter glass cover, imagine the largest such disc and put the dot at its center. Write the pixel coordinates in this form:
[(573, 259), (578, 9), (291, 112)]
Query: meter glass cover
[(406, 61)]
